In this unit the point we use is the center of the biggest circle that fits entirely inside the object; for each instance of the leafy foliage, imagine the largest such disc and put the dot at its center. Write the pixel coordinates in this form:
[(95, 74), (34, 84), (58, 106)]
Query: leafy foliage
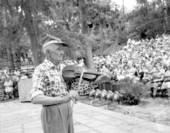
[(132, 92), (105, 24), (148, 18)]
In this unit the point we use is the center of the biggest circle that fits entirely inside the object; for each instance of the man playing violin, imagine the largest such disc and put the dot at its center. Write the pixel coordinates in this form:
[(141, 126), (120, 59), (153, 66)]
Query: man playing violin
[(49, 89)]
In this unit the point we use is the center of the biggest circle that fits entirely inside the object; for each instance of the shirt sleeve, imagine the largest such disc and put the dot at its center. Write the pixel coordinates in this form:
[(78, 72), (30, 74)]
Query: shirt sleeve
[(38, 86)]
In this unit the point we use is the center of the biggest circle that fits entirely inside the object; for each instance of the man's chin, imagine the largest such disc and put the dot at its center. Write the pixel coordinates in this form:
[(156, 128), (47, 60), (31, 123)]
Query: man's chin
[(62, 58)]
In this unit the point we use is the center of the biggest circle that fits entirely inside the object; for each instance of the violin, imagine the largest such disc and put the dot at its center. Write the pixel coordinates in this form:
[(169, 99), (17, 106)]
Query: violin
[(72, 72)]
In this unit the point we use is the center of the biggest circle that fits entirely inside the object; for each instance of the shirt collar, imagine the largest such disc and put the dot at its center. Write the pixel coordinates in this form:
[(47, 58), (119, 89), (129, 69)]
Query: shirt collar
[(49, 64)]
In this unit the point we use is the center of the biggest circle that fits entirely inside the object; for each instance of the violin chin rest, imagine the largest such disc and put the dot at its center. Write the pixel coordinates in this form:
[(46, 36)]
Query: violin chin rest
[(89, 76)]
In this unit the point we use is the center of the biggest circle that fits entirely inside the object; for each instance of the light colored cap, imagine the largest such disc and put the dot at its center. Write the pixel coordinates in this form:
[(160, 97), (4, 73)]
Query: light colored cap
[(56, 41)]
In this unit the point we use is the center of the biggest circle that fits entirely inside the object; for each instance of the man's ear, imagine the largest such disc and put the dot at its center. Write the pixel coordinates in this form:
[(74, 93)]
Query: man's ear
[(48, 51), (48, 54)]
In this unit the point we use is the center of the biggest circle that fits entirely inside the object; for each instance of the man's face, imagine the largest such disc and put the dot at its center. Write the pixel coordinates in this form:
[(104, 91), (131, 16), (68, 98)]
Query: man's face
[(57, 53)]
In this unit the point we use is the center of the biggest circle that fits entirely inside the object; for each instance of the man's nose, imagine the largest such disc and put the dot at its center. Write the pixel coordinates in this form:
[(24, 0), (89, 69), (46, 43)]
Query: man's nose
[(61, 51)]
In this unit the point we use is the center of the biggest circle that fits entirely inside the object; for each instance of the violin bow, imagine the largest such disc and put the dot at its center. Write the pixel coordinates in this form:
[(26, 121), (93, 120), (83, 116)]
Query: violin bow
[(79, 84)]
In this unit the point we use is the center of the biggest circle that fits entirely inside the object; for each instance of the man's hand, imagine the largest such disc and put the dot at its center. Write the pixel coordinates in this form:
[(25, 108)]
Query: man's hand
[(74, 95), (67, 98)]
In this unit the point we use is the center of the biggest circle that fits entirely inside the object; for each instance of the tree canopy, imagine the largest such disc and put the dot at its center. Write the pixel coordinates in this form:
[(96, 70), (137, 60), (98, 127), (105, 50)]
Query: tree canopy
[(89, 26)]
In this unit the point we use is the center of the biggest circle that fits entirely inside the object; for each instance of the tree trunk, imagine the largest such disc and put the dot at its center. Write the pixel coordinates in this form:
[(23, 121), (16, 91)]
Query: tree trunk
[(31, 29), (84, 26), (167, 15), (168, 18), (17, 55), (10, 56), (8, 44)]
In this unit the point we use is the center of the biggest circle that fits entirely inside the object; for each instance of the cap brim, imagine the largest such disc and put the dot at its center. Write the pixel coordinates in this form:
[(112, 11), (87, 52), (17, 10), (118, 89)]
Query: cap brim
[(63, 44), (56, 43)]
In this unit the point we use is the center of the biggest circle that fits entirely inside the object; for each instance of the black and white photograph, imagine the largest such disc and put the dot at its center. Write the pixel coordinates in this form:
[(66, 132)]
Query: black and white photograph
[(84, 66)]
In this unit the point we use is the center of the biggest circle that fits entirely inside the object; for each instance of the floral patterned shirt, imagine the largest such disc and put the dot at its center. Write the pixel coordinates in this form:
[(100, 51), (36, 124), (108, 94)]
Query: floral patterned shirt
[(48, 80)]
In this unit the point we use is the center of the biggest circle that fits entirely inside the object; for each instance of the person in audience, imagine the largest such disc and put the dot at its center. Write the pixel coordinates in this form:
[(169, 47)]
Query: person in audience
[(15, 79), (17, 72), (9, 90)]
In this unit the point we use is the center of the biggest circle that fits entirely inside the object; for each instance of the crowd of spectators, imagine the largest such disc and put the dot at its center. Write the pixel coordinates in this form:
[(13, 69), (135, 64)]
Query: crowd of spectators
[(147, 60), (146, 56)]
